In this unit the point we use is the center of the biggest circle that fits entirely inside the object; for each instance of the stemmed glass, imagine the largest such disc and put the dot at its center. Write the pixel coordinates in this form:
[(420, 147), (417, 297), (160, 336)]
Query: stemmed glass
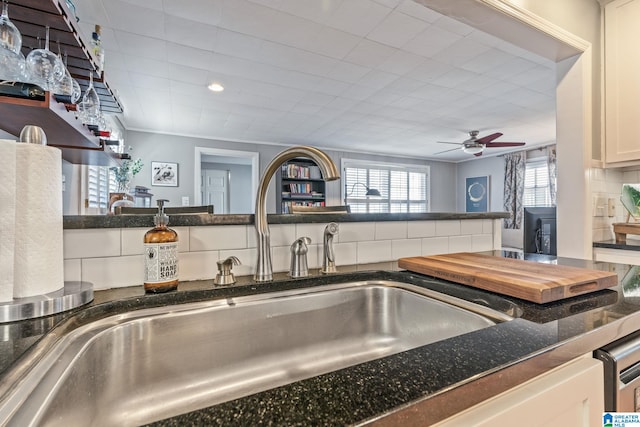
[(90, 105), (68, 85), (44, 67), (11, 58)]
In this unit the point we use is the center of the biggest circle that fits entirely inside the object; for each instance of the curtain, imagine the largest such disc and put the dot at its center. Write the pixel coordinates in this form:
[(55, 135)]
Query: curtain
[(553, 173), (514, 167)]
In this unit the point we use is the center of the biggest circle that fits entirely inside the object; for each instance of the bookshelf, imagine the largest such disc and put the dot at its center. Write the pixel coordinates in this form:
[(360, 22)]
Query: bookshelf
[(300, 183)]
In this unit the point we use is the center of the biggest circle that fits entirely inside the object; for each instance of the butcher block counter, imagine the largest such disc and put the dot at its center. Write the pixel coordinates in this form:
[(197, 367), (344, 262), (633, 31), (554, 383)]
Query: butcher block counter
[(436, 380)]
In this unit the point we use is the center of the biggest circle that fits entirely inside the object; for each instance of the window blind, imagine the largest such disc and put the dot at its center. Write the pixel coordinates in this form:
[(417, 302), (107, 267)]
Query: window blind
[(100, 182), (403, 188), (536, 184)]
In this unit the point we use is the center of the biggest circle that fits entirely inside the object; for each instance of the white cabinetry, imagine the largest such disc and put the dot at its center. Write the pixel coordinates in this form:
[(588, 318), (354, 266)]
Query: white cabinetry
[(570, 395), (622, 81)]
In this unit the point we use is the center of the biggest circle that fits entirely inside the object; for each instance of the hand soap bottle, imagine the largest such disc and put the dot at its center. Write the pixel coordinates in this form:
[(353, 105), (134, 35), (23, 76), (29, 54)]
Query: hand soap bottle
[(161, 255)]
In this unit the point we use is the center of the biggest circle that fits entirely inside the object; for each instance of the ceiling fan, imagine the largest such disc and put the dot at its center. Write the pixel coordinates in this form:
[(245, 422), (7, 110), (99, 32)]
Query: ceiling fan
[(476, 146)]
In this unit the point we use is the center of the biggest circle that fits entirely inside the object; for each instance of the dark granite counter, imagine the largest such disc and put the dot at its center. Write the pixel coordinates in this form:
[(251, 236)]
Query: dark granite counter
[(629, 245), (437, 380), (119, 221)]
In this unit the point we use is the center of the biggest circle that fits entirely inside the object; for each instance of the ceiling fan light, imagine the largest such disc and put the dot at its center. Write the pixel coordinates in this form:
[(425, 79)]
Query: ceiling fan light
[(473, 149)]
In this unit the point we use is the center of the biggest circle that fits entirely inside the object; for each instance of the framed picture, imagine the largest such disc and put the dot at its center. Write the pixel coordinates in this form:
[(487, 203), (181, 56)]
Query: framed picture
[(164, 174), (477, 194)]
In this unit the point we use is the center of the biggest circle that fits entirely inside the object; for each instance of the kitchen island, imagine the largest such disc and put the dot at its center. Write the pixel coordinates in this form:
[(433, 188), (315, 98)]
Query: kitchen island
[(434, 381)]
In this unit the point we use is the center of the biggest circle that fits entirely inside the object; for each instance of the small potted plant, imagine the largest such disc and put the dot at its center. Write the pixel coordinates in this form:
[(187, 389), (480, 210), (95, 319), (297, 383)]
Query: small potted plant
[(123, 175)]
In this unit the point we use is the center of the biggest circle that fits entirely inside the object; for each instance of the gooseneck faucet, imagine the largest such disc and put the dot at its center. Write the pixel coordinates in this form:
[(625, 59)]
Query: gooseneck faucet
[(328, 255), (264, 270)]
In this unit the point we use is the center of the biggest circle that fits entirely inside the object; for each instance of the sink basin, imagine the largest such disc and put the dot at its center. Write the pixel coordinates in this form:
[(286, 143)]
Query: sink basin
[(152, 364)]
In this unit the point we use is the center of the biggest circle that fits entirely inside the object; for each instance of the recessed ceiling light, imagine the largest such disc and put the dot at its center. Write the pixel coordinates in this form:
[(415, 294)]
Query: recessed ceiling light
[(215, 87)]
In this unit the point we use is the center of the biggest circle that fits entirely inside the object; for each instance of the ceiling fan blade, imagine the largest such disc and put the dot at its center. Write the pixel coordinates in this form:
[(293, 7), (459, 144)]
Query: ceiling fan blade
[(445, 151), (503, 144), (489, 138), (445, 142), (478, 154)]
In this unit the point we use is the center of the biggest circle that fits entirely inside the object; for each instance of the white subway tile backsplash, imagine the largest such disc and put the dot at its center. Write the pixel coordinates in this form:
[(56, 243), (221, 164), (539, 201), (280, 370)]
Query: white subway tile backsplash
[(280, 258), (72, 270), (113, 272), (460, 243), (345, 253), (421, 229), (198, 265), (447, 228), (374, 251), (435, 245), (279, 235), (313, 231), (388, 230), (216, 238), (91, 243), (117, 260), (471, 226), (405, 248), (356, 231), (132, 240), (247, 257), (482, 242), (487, 225)]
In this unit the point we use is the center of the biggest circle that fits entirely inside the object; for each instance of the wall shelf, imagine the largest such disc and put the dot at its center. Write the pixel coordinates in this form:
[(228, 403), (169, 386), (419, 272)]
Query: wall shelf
[(63, 130)]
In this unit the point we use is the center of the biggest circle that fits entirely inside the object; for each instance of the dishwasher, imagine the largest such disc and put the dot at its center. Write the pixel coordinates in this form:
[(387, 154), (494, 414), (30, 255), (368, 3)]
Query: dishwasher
[(621, 361)]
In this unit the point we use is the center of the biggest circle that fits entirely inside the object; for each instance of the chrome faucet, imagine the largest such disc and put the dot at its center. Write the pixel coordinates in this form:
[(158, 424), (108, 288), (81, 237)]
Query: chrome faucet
[(328, 255), (264, 269)]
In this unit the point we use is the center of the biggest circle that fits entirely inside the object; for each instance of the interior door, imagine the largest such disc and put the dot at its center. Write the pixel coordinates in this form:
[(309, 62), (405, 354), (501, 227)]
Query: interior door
[(215, 189)]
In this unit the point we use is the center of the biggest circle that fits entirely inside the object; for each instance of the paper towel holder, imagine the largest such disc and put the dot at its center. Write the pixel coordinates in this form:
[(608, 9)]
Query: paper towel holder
[(70, 296), (32, 134)]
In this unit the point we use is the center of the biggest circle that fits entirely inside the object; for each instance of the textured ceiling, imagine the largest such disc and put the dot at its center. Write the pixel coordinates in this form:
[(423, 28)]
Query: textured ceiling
[(376, 76)]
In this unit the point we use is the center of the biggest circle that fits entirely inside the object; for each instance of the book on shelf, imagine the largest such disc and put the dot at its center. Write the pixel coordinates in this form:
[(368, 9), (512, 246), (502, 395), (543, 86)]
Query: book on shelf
[(286, 206)]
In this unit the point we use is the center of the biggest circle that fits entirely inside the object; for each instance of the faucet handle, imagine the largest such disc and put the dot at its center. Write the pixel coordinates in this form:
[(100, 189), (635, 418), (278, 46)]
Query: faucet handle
[(225, 276), (299, 267)]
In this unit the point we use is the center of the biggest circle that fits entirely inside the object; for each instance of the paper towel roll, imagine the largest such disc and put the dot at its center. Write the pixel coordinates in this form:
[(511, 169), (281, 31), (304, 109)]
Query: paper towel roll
[(7, 217), (38, 264)]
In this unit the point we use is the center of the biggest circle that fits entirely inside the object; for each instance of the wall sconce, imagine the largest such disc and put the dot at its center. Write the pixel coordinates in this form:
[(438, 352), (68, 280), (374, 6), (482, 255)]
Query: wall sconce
[(371, 192)]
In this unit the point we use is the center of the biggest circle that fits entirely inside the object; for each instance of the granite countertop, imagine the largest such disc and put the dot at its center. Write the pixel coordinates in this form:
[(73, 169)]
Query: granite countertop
[(438, 379), (118, 221), (630, 245)]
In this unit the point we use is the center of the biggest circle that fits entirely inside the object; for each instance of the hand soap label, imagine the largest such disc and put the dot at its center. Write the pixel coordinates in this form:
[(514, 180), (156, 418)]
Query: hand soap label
[(161, 262)]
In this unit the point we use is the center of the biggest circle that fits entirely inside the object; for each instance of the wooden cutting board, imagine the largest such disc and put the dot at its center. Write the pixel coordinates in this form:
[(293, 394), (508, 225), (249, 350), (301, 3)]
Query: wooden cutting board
[(531, 281)]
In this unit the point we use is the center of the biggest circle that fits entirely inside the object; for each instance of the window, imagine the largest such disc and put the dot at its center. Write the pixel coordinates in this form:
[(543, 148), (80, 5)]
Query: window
[(536, 183), (403, 188), (100, 182)]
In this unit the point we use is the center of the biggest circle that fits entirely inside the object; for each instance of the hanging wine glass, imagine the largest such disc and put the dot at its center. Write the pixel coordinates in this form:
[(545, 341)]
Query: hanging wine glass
[(90, 109), (68, 86), (12, 66), (11, 58), (10, 37), (44, 67)]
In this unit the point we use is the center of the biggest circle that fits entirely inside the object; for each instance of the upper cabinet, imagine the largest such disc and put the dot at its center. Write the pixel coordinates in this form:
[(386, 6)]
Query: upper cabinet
[(63, 129), (622, 83)]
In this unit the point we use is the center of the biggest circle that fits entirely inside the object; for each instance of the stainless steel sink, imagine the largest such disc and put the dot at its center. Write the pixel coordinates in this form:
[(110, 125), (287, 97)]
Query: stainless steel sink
[(155, 363)]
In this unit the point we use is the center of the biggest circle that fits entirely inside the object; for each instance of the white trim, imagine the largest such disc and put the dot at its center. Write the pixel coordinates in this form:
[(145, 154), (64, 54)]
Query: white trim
[(197, 170), (520, 14)]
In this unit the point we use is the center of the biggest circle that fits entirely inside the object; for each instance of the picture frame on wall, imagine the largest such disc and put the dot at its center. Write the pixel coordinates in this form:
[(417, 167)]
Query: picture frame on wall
[(164, 174), (477, 194)]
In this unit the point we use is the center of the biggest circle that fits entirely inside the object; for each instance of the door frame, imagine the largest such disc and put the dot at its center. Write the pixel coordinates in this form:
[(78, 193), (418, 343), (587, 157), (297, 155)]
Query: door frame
[(252, 156)]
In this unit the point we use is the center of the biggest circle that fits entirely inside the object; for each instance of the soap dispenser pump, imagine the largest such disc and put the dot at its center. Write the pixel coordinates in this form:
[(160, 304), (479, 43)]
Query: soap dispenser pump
[(161, 255)]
